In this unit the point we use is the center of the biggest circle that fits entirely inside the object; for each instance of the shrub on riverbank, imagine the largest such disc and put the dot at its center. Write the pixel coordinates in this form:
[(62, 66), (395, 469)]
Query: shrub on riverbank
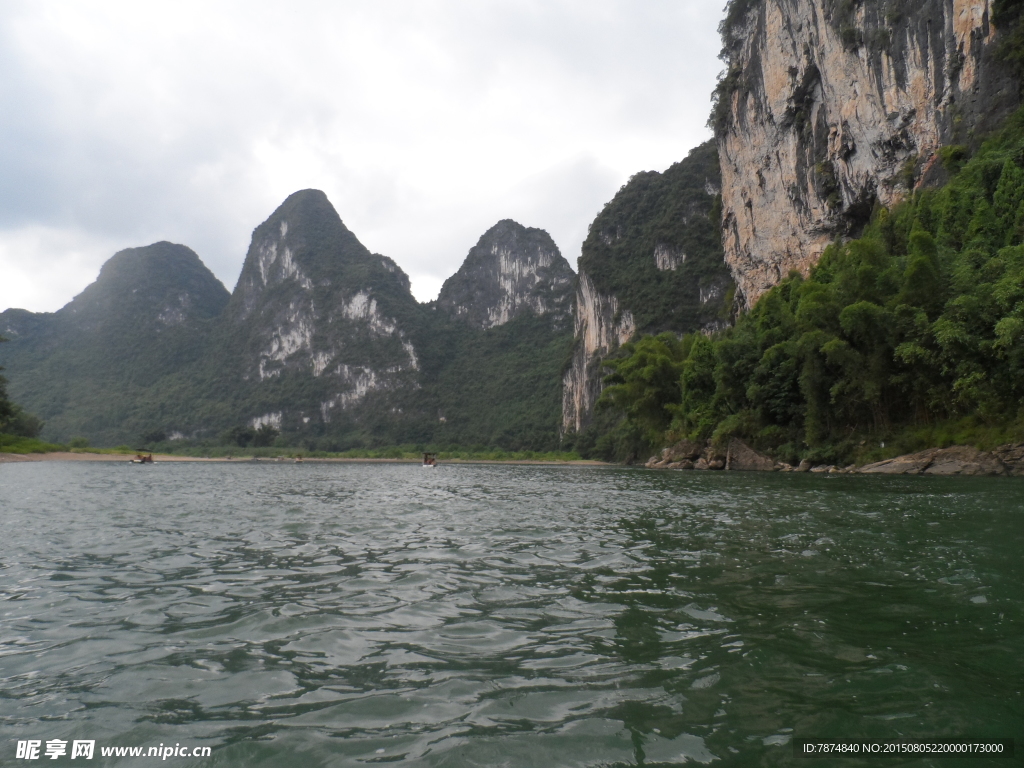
[(17, 444)]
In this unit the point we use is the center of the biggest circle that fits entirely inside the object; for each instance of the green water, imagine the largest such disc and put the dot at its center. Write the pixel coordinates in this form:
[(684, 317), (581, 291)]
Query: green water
[(348, 615)]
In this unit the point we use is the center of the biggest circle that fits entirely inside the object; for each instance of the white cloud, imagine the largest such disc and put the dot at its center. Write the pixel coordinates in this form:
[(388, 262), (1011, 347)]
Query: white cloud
[(43, 268), (424, 122)]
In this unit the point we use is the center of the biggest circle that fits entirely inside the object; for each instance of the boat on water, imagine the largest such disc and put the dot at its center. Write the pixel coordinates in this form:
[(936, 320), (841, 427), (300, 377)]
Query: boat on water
[(429, 459), (142, 458)]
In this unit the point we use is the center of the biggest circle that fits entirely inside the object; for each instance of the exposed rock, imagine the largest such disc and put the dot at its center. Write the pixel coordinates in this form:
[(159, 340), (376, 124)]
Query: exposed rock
[(830, 106), (511, 270), (702, 464), (684, 464), (1012, 457), (716, 464), (964, 460), (651, 262), (742, 458), (313, 301), (600, 328), (804, 466), (956, 460), (684, 449), (910, 464)]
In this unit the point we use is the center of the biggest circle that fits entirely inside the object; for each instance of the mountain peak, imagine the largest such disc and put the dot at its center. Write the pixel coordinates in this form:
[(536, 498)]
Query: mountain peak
[(163, 282), (512, 270)]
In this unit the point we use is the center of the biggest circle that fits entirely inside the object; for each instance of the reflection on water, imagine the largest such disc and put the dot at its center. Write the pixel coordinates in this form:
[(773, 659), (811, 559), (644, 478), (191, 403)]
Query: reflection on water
[(517, 616)]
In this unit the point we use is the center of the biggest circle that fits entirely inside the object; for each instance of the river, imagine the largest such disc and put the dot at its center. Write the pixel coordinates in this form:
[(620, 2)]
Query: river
[(469, 615)]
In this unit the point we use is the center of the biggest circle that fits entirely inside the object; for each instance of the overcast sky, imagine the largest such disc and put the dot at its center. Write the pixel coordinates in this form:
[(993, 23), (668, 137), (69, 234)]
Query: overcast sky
[(424, 121)]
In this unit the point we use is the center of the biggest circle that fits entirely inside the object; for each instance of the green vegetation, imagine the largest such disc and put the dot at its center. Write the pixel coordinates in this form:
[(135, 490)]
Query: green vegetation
[(122, 351), (117, 366), (676, 213), (18, 444), (910, 336), (1006, 17), (18, 428)]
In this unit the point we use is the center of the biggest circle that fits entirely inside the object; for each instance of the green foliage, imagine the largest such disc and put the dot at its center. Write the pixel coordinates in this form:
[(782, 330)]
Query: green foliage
[(240, 436), (498, 388), (22, 445), (14, 420), (644, 380), (675, 214), (6, 406), (917, 324), (107, 367), (265, 436), (78, 443), (1006, 17), (154, 436), (22, 423)]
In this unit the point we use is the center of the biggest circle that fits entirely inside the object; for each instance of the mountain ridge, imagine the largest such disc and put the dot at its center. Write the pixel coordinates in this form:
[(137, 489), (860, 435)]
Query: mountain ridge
[(321, 339)]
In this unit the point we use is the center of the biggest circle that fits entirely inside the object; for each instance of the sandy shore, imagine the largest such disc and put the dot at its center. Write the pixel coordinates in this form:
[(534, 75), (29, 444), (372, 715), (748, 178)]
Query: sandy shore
[(161, 458)]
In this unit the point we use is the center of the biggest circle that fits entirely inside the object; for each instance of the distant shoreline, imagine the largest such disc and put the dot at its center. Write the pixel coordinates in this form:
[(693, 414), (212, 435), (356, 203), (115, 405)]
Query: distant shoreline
[(12, 458)]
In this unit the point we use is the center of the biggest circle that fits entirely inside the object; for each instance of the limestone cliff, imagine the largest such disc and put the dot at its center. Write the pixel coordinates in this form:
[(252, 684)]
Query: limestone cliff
[(317, 323), (600, 328), (831, 105), (511, 270), (651, 262)]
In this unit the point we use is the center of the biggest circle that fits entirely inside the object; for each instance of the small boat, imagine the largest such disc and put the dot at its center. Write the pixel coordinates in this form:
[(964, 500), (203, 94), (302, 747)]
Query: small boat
[(142, 458), (429, 459)]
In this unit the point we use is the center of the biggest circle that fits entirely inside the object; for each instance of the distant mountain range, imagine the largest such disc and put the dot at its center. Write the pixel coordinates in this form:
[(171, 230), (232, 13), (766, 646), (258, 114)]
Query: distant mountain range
[(323, 341)]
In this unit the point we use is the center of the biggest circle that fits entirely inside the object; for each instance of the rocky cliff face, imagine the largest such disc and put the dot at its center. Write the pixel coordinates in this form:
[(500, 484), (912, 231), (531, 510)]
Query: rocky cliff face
[(601, 327), (512, 270), (829, 106), (312, 303), (651, 262)]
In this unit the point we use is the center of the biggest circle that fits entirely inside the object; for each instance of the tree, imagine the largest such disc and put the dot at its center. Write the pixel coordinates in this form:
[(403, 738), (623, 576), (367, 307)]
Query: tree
[(6, 406), (645, 382)]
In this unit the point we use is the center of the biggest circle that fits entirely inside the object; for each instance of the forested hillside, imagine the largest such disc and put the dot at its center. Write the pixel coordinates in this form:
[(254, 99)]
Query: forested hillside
[(909, 336), (657, 247), (320, 347), (652, 261), (121, 356)]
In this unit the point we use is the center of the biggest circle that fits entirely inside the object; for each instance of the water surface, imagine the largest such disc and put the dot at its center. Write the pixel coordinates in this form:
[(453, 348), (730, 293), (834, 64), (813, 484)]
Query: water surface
[(346, 615)]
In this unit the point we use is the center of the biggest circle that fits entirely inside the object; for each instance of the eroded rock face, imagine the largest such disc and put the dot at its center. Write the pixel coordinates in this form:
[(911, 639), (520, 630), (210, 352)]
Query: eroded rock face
[(313, 301), (686, 454), (830, 107), (512, 270), (601, 327), (743, 458), (652, 262), (955, 460)]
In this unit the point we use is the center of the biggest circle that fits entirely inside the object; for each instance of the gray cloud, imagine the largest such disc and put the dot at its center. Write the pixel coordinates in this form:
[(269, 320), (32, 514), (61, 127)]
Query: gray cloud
[(425, 122)]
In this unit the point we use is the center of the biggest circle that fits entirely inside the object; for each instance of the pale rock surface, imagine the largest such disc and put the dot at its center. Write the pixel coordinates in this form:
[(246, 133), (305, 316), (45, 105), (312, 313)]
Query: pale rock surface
[(743, 458), (601, 327), (311, 299), (820, 126), (956, 460), (511, 271)]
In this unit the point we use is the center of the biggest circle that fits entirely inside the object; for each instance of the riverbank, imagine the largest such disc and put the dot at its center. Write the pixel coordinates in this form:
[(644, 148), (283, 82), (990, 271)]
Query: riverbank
[(10, 458), (1004, 460)]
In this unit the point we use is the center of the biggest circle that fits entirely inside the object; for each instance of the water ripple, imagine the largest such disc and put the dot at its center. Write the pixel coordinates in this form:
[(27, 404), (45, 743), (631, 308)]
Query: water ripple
[(521, 616)]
